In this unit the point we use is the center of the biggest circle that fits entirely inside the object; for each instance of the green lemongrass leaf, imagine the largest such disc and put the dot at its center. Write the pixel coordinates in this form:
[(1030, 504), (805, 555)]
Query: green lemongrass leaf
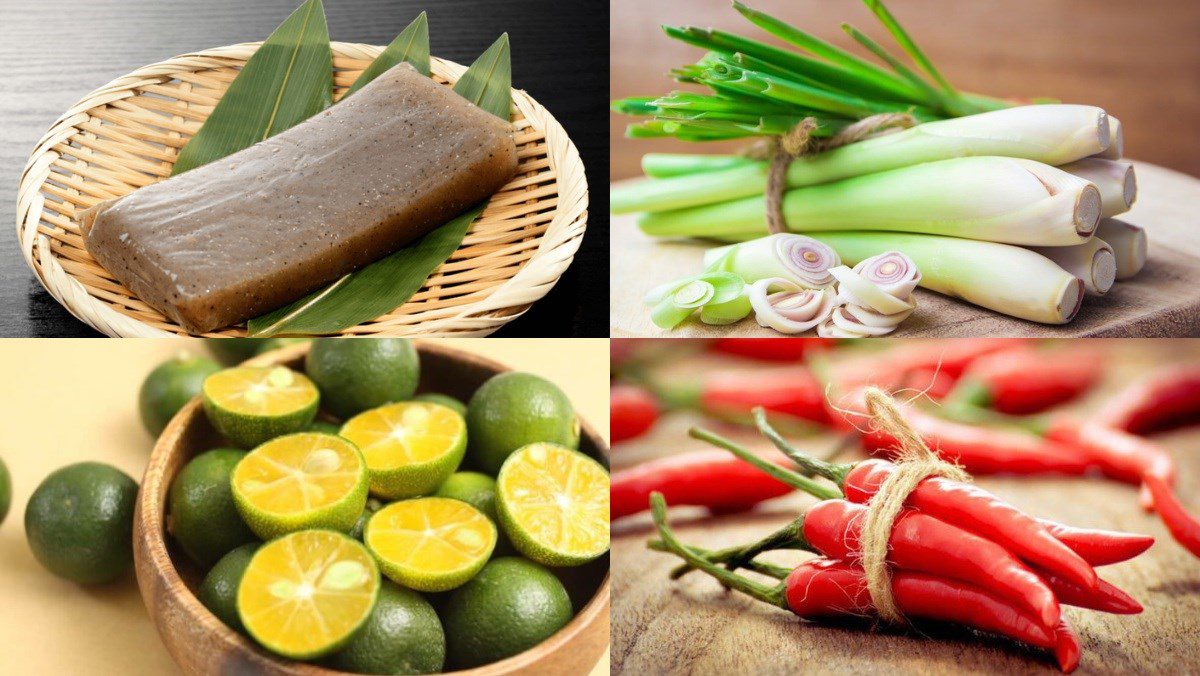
[(635, 105), (934, 96), (411, 45), (834, 77), (286, 81), (681, 131), (669, 165), (792, 35), (488, 82), (908, 44), (370, 292)]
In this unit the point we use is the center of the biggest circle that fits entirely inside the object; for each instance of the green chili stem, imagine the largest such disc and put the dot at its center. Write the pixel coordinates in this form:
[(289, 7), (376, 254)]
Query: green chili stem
[(772, 595), (834, 472), (788, 477)]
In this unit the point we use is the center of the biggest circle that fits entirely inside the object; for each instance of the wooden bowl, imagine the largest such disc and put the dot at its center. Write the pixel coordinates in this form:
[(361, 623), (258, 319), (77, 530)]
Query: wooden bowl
[(202, 644)]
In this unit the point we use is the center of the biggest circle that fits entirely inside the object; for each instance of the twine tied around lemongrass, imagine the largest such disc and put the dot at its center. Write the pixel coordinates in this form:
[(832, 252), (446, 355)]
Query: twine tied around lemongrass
[(915, 462), (783, 149)]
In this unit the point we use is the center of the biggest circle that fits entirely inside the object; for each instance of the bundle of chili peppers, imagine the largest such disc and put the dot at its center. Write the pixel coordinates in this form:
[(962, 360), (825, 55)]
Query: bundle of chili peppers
[(954, 552)]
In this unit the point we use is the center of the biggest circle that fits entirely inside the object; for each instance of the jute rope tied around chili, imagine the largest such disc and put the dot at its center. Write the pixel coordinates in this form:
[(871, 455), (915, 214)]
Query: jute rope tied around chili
[(783, 149), (915, 462)]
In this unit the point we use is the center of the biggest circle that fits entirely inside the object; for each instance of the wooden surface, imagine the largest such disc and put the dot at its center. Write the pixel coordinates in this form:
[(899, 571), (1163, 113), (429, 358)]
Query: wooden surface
[(76, 400), (201, 644), (1161, 301), (693, 627), (52, 52), (1138, 60)]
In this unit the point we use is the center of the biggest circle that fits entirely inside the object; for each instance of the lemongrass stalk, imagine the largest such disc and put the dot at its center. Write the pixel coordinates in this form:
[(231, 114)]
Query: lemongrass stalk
[(1052, 134), (1092, 262), (726, 311), (1114, 179), (1008, 279), (1116, 141), (1128, 242), (796, 258), (997, 199), (666, 165)]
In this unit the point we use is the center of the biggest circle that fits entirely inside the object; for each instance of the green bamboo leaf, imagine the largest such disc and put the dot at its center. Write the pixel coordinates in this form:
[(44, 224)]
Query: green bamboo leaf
[(488, 82), (372, 291), (411, 45), (287, 80)]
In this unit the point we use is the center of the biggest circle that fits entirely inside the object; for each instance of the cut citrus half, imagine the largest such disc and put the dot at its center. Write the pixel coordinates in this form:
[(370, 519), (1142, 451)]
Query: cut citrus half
[(430, 544), (410, 447), (304, 595), (553, 504), (251, 404), (300, 481)]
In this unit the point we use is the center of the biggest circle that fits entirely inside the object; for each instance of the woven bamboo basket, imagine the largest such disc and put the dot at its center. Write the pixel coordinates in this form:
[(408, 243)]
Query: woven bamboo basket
[(127, 134)]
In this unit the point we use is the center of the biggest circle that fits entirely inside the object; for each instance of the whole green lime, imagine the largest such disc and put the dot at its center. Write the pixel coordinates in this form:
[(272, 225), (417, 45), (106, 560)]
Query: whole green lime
[(509, 607), (218, 591), (401, 636), (356, 374), (445, 400), (79, 522), (230, 351), (204, 518), (268, 344), (5, 491), (473, 488), (169, 386), (515, 409)]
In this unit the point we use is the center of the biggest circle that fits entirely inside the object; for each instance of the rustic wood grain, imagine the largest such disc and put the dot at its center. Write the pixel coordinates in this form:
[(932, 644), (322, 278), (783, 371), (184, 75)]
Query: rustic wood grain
[(693, 627), (201, 644), (1138, 60), (1161, 301), (52, 52)]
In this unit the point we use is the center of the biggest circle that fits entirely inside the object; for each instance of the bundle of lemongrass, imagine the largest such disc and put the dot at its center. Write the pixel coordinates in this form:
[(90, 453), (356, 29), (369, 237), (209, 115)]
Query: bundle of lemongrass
[(1007, 206)]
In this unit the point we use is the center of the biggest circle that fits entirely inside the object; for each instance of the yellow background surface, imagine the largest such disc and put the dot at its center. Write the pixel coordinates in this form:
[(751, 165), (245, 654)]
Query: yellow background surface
[(67, 401)]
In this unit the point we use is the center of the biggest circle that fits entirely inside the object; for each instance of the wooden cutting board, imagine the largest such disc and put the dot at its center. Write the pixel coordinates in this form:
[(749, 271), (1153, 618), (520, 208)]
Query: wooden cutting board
[(691, 626), (1161, 301)]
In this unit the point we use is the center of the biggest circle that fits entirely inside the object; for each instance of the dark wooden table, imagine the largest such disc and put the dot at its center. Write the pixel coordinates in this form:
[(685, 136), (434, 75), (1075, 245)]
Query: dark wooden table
[(53, 52)]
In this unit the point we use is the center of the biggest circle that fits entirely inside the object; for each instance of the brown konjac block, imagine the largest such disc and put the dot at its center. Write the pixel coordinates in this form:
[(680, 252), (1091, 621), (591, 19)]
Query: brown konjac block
[(244, 235)]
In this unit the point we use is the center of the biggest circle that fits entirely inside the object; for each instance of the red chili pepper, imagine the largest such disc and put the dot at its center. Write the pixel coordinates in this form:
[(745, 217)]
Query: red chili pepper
[(771, 349), (631, 412), (1166, 400), (1106, 597), (979, 450), (1025, 380), (711, 479), (1099, 547), (1066, 648), (904, 366), (976, 510), (1118, 454), (824, 588), (923, 544), (791, 391), (1184, 527)]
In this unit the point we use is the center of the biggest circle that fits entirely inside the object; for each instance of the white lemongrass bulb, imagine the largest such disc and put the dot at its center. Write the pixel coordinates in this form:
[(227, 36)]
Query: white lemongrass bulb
[(1128, 242), (1008, 279), (798, 258), (876, 296), (854, 321), (1092, 263), (787, 307), (996, 199), (1116, 141), (1113, 178)]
